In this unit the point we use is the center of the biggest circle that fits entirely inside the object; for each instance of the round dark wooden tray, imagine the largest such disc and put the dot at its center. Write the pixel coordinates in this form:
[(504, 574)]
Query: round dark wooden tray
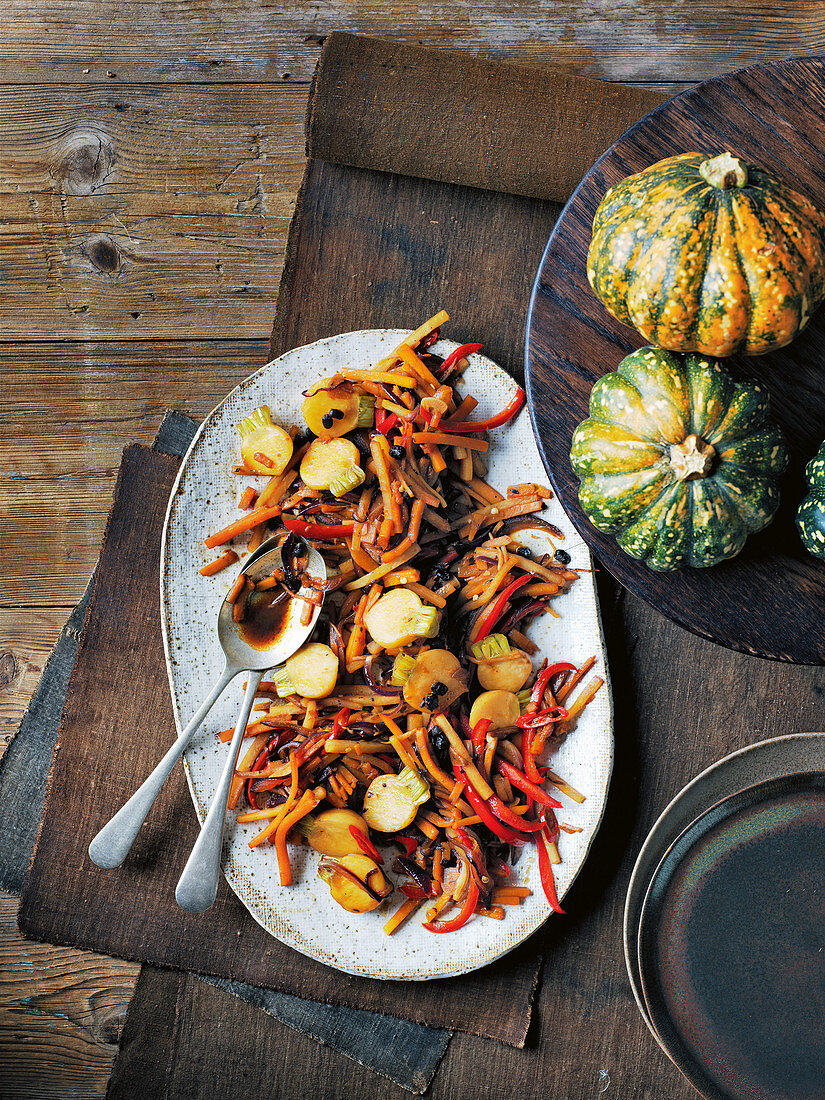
[(770, 600)]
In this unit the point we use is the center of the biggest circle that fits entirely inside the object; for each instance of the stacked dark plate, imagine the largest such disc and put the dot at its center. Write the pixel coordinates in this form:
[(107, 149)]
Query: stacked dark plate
[(724, 929)]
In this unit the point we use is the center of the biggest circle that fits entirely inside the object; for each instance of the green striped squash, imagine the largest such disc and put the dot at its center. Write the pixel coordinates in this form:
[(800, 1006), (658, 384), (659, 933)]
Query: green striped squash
[(708, 254), (677, 460), (810, 516)]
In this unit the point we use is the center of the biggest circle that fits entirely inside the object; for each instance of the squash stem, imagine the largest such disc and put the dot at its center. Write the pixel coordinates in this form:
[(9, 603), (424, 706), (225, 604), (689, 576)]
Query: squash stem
[(725, 172), (692, 458)]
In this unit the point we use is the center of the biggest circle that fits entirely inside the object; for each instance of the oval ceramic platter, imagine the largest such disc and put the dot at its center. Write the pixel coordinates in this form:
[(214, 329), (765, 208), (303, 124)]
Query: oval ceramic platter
[(204, 499)]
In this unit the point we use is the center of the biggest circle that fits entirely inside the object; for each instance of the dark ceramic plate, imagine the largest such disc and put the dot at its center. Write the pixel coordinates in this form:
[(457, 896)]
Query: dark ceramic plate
[(731, 945)]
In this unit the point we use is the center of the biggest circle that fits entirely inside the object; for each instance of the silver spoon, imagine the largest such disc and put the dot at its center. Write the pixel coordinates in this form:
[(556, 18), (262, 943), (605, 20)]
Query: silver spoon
[(112, 844)]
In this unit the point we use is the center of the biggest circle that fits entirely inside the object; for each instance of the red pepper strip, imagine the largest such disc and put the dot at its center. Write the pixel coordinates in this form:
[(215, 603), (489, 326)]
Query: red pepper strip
[(541, 717), (506, 815), (340, 722), (492, 422), (479, 733), (408, 844), (365, 844), (385, 421), (544, 678), (467, 910), (483, 811), (530, 769), (413, 890), (524, 784), (546, 873), (462, 352), (494, 614), (319, 530)]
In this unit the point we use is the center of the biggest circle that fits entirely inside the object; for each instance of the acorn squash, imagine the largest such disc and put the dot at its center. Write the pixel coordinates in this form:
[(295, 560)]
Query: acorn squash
[(708, 254), (810, 517), (677, 460)]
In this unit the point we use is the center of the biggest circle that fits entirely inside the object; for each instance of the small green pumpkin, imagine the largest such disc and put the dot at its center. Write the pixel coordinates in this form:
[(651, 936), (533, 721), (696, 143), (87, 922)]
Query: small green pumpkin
[(810, 516), (677, 460), (708, 254)]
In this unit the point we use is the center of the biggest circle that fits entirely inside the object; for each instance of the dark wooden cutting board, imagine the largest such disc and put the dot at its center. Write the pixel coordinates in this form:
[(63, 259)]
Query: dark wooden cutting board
[(770, 600)]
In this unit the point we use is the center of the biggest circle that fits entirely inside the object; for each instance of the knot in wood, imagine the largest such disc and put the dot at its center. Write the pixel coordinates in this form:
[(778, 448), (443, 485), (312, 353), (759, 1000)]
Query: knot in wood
[(8, 669), (103, 253), (86, 160)]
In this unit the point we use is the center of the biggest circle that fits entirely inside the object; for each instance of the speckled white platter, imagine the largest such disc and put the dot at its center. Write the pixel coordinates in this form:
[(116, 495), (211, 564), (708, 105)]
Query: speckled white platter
[(204, 498)]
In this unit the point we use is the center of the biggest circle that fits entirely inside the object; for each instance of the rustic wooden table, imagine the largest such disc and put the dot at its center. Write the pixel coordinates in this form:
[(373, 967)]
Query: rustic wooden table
[(151, 157)]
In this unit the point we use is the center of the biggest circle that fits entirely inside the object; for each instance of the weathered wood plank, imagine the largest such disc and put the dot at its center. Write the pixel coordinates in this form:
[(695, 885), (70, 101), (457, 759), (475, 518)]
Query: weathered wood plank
[(69, 409), (26, 640), (68, 412), (61, 1012), (265, 40), (146, 212)]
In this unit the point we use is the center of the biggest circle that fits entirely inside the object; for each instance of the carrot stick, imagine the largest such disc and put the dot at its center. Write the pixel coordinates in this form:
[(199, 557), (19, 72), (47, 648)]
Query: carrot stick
[(578, 675), (236, 588), (293, 791), (247, 498), (252, 519), (404, 910), (415, 338), (382, 570), (411, 360), (307, 803), (389, 377), (246, 762), (229, 558), (442, 439)]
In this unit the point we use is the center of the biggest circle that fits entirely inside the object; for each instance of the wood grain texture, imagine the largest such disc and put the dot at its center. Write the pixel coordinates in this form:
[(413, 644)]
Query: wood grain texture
[(25, 644), (773, 116), (154, 211), (265, 40), (61, 1013), (67, 410)]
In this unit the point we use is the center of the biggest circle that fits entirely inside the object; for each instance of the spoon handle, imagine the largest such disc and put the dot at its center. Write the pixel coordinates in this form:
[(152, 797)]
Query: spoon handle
[(198, 885), (112, 844)]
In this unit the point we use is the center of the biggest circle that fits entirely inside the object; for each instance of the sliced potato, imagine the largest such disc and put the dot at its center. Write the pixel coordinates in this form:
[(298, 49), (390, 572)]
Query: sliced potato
[(331, 413), (345, 878), (501, 707), (437, 677), (329, 832), (507, 673), (332, 464), (265, 447), (312, 672), (400, 617)]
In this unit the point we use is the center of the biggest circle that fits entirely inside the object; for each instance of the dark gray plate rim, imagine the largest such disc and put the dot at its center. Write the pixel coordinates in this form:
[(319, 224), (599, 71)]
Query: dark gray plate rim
[(660, 1019), (769, 759)]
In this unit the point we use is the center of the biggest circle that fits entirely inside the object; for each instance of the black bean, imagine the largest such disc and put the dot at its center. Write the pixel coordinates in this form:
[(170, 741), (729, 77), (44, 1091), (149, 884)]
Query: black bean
[(439, 688), (562, 556), (327, 420), (396, 451), (441, 747), (524, 552), (337, 414)]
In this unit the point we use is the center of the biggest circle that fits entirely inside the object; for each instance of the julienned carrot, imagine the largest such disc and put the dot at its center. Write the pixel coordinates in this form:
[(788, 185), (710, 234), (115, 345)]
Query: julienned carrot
[(229, 558), (442, 439), (307, 803), (382, 570), (246, 762), (404, 910), (236, 589), (247, 498), (415, 338), (251, 519), (272, 827), (390, 378), (408, 357)]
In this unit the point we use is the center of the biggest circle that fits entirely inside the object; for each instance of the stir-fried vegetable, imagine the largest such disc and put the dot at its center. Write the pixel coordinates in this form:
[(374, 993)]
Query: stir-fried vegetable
[(420, 708), (265, 447)]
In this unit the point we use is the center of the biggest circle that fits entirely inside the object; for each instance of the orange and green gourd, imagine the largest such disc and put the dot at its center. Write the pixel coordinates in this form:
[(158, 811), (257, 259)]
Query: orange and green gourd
[(677, 460), (708, 254), (810, 517)]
